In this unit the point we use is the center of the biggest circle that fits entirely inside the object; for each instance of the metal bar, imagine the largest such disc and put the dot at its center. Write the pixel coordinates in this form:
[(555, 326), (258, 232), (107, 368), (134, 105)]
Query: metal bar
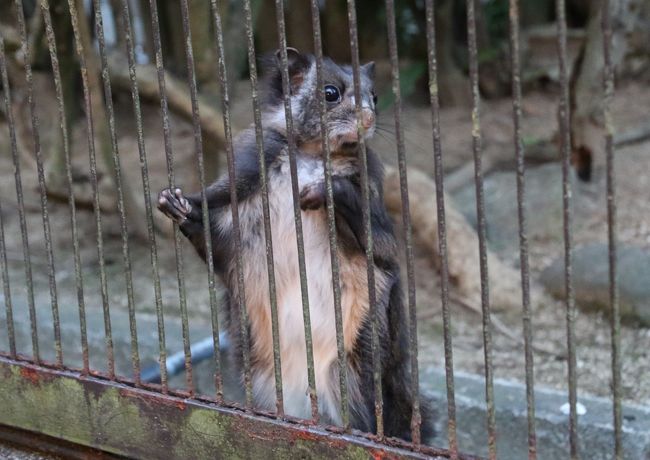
[(268, 237), (284, 68), (565, 146), (442, 229), (482, 230), (11, 335), (523, 227), (331, 219), (147, 193), (416, 419), (365, 192), (608, 80), (93, 181), (91, 411), (169, 157), (41, 186), (51, 42), (124, 231)]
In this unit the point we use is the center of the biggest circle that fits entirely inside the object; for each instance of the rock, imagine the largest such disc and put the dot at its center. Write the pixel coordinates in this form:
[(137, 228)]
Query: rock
[(543, 201), (591, 280)]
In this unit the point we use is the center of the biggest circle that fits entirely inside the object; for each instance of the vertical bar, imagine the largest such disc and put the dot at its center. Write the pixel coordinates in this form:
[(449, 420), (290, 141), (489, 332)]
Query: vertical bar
[(442, 229), (147, 195), (331, 218), (416, 419), (169, 157), (482, 231), (49, 32), (282, 39), (124, 231), (191, 77), (565, 143), (41, 186), (523, 227), (93, 181), (3, 254), (268, 237), (608, 78), (365, 192)]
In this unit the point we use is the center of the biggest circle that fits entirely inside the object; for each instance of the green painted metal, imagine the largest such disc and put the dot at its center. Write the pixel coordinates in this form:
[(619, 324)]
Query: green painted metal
[(140, 423)]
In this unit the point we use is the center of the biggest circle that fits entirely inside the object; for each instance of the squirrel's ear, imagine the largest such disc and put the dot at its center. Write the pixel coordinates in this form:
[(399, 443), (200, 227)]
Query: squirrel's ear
[(297, 66), (369, 70)]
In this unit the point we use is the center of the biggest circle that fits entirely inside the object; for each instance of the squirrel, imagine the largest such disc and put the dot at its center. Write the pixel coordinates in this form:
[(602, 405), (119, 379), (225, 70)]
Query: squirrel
[(346, 184)]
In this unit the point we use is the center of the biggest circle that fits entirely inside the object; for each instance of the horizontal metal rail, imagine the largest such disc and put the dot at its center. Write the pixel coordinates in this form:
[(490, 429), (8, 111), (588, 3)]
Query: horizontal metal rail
[(93, 412)]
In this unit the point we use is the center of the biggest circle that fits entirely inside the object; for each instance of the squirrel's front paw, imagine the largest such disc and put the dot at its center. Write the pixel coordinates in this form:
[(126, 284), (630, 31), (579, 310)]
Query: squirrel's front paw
[(312, 196), (174, 205)]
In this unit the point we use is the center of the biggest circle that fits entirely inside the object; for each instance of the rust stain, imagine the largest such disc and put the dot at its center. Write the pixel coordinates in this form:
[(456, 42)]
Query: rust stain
[(31, 375), (154, 399)]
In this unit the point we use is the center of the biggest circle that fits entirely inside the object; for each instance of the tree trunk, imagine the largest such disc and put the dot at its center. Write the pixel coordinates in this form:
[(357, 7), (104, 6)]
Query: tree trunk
[(454, 87), (587, 122)]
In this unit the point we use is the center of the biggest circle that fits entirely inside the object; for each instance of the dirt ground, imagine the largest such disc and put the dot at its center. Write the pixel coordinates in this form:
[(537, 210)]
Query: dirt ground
[(592, 330)]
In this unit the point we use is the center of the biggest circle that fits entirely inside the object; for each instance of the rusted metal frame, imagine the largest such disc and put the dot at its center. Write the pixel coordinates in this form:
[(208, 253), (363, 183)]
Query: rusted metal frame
[(293, 167), (608, 81), (523, 227), (268, 237), (126, 15), (482, 229), (6, 289), (124, 231), (416, 419), (169, 158), (565, 148), (42, 190), (331, 218), (442, 228), (365, 199), (74, 17), (125, 420), (51, 42)]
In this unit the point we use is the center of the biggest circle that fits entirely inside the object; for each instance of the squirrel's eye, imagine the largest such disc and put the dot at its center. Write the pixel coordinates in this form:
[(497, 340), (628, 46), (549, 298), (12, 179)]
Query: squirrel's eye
[(374, 98), (332, 93)]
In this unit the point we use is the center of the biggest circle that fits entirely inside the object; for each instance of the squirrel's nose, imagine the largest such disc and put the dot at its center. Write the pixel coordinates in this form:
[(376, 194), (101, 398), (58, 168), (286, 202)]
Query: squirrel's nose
[(367, 118)]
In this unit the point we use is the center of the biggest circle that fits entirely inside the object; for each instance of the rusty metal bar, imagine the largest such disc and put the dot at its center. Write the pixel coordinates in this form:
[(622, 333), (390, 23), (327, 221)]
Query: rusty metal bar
[(124, 232), (442, 228), (286, 90), (416, 419), (565, 147), (608, 80), (523, 227), (482, 229), (93, 180), (268, 237), (147, 193), (365, 192), (331, 221), (169, 158), (29, 282), (191, 77), (51, 42), (11, 335), (41, 186), (93, 412)]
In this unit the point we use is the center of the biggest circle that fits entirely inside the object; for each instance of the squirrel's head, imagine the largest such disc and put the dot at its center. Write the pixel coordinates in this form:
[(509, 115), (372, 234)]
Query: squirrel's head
[(338, 85)]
